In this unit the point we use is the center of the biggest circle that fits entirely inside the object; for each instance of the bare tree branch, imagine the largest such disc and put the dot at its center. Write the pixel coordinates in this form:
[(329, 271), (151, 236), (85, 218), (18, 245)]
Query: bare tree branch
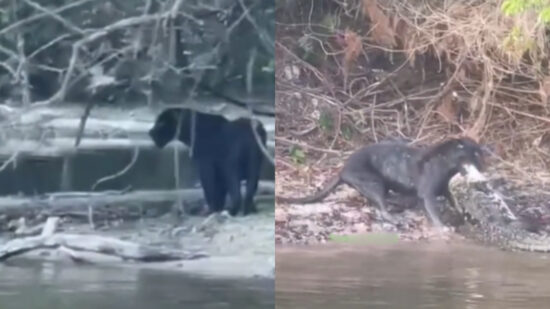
[(22, 70), (124, 23), (121, 172), (9, 69), (41, 15), (175, 11), (266, 40), (55, 16), (11, 160), (8, 52), (51, 43)]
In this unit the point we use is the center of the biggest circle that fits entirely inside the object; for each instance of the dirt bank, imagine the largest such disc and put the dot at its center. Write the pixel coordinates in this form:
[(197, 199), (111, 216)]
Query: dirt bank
[(343, 213), (235, 247), (346, 217), (351, 74)]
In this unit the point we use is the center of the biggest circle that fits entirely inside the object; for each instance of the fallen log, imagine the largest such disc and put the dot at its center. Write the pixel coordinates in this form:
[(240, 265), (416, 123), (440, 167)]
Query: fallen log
[(67, 202), (60, 146), (51, 132), (125, 250)]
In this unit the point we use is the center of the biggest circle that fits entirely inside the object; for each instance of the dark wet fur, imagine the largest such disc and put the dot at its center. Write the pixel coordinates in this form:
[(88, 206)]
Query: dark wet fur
[(425, 172), (225, 152)]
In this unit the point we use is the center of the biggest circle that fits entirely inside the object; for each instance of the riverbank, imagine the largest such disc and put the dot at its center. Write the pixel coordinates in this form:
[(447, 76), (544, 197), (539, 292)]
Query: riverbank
[(498, 212), (117, 172), (233, 247), (377, 73), (346, 217)]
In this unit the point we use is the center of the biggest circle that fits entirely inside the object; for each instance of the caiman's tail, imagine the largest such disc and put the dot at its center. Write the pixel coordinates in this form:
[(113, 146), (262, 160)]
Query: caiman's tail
[(326, 190)]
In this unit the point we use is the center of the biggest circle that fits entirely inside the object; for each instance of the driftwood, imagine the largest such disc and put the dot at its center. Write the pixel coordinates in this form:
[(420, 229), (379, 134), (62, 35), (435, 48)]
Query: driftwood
[(23, 230), (74, 244), (75, 202), (52, 131), (56, 147)]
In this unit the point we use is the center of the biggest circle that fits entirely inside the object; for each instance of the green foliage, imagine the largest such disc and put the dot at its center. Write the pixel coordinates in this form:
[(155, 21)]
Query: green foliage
[(325, 121), (331, 22), (513, 7), (347, 132), (309, 50), (516, 7), (545, 15), (517, 42), (297, 155)]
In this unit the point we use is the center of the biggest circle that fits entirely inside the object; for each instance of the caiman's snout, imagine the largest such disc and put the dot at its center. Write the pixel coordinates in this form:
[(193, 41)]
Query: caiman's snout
[(472, 173)]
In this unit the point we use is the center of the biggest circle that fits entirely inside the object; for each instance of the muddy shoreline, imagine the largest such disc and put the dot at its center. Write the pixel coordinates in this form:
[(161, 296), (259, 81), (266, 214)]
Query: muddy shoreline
[(346, 217), (225, 240), (336, 222)]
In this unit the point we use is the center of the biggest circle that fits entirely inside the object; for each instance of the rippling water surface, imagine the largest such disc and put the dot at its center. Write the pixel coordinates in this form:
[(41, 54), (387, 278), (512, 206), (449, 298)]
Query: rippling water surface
[(31, 285), (411, 276)]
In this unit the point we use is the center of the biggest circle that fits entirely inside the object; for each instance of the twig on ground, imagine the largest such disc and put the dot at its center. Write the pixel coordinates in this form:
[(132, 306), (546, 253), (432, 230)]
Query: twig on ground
[(125, 250)]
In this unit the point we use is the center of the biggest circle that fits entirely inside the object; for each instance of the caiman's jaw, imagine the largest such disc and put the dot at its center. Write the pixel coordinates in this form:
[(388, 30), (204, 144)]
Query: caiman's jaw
[(468, 173), (471, 173)]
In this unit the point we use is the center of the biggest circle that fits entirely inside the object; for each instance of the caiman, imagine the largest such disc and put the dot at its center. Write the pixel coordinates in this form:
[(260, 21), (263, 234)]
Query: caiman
[(488, 217)]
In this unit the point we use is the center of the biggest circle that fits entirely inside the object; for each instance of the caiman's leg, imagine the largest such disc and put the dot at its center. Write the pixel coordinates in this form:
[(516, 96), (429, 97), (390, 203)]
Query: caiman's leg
[(452, 201)]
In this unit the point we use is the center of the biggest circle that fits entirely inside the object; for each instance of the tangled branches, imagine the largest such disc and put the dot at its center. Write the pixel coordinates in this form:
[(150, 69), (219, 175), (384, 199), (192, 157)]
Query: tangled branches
[(422, 69)]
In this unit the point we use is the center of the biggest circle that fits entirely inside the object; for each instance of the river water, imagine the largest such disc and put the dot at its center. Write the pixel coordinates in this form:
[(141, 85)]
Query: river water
[(410, 276), (32, 285)]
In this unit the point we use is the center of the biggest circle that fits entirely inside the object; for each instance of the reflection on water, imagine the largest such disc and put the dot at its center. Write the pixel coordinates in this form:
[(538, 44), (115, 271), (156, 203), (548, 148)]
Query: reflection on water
[(26, 285), (411, 276)]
